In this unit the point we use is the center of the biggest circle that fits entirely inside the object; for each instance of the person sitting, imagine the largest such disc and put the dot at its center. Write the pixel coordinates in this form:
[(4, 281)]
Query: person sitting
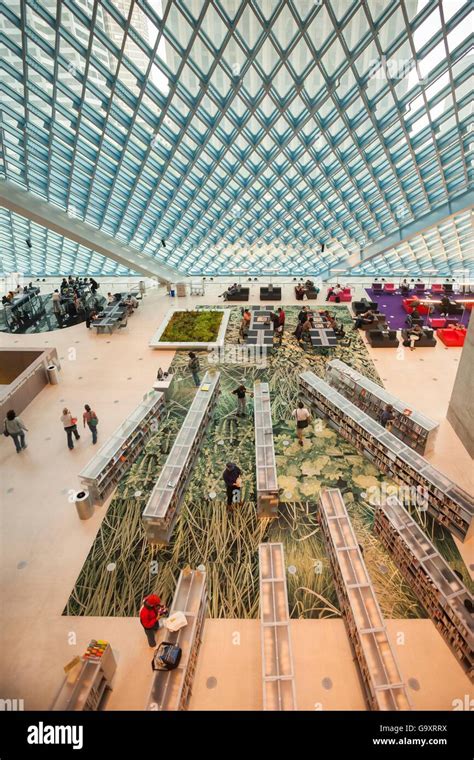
[(412, 335), (339, 330), (307, 326), (330, 292), (337, 293), (367, 318), (445, 306), (309, 285), (413, 318), (300, 292), (110, 298)]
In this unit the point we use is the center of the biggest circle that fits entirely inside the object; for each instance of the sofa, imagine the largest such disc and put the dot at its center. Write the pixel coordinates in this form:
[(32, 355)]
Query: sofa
[(345, 295), (240, 295), (407, 304), (437, 289), (378, 324), (426, 341), (377, 287), (436, 322), (379, 339), (454, 308), (358, 307), (451, 336), (420, 287), (267, 294)]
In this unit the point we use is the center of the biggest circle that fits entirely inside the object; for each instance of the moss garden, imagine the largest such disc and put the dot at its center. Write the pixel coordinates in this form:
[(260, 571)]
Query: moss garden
[(188, 326)]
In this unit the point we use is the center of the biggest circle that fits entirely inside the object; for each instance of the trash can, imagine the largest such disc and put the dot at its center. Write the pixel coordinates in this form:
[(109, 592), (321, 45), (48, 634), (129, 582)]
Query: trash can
[(172, 292), (84, 505), (53, 376)]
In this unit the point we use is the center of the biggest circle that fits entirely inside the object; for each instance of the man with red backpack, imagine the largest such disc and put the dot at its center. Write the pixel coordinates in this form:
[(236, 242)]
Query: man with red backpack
[(150, 614)]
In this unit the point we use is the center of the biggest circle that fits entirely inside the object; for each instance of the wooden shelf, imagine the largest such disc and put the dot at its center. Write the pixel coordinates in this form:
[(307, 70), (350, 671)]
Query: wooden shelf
[(267, 478), (171, 689), (438, 588), (162, 509), (384, 686), (449, 504), (103, 473), (277, 657), (85, 692), (416, 430)]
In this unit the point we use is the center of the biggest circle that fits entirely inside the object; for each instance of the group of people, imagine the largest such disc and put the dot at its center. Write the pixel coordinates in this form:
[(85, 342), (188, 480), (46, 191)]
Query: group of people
[(302, 290), (278, 319), (231, 290), (306, 323), (15, 428), (18, 291)]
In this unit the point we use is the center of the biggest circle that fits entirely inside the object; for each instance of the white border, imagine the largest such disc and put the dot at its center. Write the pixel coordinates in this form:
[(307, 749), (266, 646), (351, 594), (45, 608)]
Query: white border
[(190, 345)]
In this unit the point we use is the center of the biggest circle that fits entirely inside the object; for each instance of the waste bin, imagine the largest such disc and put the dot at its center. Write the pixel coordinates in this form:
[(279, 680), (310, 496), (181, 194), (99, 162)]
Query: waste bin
[(84, 505), (172, 292), (53, 375)]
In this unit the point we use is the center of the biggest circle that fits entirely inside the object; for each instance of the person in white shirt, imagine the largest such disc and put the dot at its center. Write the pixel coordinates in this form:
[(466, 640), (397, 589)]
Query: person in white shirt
[(302, 417), (70, 426)]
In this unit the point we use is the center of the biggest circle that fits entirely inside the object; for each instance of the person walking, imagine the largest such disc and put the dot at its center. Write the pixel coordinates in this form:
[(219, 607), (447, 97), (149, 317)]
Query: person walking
[(281, 319), (14, 427), (233, 483), (302, 417), (70, 426), (150, 613), (241, 393), (194, 367), (56, 299), (92, 421)]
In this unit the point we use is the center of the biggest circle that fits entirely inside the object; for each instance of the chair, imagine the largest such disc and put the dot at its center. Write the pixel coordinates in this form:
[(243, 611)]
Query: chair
[(420, 287), (448, 287), (312, 295), (376, 325), (427, 340), (389, 287), (239, 295), (452, 337), (437, 288), (377, 286), (344, 295), (379, 339), (408, 305), (358, 307)]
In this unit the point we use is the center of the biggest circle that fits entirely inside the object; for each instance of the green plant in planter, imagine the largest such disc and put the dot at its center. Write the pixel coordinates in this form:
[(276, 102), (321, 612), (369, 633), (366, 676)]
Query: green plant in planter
[(186, 326)]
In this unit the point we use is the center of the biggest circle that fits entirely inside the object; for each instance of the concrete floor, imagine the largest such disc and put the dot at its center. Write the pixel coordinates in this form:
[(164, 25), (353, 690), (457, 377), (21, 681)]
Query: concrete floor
[(44, 544)]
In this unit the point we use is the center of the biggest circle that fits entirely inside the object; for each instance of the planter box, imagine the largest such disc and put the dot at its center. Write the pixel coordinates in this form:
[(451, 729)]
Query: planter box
[(192, 345)]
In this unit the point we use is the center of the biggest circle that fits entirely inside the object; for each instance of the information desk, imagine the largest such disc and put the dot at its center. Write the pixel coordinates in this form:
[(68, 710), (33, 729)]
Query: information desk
[(267, 479), (384, 686), (84, 688), (170, 690), (412, 427), (163, 506), (277, 656), (103, 473), (449, 504), (440, 591)]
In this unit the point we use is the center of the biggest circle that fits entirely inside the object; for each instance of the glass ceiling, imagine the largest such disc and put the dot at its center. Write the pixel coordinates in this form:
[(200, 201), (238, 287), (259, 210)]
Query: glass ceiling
[(244, 133)]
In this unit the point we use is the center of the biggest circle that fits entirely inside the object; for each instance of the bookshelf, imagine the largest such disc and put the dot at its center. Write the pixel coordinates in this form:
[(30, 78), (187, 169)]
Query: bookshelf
[(84, 687), (448, 504), (171, 689), (162, 509), (267, 479), (440, 591), (415, 429), (103, 473), (383, 683), (277, 657)]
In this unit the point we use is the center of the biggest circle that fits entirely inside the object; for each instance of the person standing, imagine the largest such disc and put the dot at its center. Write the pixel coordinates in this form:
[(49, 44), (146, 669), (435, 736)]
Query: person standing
[(14, 427), (233, 483), (302, 417), (281, 318), (150, 613), (70, 426), (194, 367), (92, 421), (56, 299), (302, 317), (241, 393), (387, 416)]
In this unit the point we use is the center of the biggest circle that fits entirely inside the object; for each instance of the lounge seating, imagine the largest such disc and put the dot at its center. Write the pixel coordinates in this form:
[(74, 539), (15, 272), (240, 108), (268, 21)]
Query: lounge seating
[(239, 295), (452, 336), (358, 307), (379, 339), (427, 340), (454, 308), (448, 287), (437, 289), (377, 286), (420, 287), (436, 322), (409, 303), (345, 295), (389, 287), (267, 294), (378, 324)]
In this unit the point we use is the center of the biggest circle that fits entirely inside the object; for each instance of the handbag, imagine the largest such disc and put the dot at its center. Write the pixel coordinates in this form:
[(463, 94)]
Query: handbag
[(301, 424), (73, 420), (166, 657), (5, 431)]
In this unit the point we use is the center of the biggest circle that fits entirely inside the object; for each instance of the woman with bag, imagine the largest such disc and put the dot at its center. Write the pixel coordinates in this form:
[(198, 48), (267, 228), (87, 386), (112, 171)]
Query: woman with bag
[(70, 426), (302, 416), (15, 428), (92, 421), (151, 612)]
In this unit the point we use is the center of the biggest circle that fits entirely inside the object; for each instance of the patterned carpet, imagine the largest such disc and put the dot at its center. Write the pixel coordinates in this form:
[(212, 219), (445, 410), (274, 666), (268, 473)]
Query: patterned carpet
[(121, 567)]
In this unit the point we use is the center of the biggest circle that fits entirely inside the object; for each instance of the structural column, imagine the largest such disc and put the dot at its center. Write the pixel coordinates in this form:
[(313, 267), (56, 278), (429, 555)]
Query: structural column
[(461, 406)]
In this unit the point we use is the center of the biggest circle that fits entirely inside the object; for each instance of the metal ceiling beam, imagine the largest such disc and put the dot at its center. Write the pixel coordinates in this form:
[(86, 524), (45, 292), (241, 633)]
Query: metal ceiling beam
[(26, 204)]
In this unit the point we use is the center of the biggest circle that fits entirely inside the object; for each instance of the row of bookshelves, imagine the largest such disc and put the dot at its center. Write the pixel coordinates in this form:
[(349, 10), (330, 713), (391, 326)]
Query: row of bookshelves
[(87, 680), (277, 657), (267, 479), (410, 426), (103, 473), (171, 689), (162, 509), (384, 686), (440, 591), (449, 504)]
